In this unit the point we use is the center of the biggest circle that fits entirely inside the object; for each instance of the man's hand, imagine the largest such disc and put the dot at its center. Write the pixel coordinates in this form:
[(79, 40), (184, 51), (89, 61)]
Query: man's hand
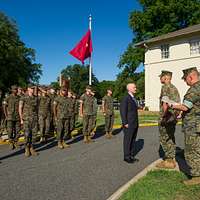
[(21, 121), (81, 115), (126, 125)]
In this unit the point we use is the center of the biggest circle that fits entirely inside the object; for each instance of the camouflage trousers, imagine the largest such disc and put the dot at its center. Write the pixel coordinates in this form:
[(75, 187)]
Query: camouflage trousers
[(72, 122), (167, 140), (94, 121), (3, 125), (44, 125), (88, 121), (109, 121), (13, 129), (63, 128), (192, 150), (30, 127)]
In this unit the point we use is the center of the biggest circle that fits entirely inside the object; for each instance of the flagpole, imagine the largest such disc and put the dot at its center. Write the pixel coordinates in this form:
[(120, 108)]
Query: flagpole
[(60, 80), (90, 59)]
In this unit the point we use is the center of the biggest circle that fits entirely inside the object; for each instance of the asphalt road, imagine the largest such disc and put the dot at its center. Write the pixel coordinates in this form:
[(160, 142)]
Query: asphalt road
[(82, 172)]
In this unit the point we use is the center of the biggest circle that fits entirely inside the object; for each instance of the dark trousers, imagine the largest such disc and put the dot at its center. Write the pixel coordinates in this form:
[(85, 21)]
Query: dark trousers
[(130, 135)]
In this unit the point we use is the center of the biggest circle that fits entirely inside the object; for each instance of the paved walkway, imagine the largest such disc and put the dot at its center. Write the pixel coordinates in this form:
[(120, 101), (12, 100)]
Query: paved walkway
[(83, 172)]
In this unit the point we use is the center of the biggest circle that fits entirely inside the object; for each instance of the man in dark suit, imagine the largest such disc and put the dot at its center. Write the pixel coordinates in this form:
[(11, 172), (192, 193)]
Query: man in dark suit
[(129, 116)]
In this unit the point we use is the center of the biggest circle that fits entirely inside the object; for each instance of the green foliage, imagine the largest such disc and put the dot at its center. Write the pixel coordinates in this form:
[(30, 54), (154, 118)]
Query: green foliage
[(104, 85), (55, 85), (162, 185), (16, 60), (79, 76), (155, 18)]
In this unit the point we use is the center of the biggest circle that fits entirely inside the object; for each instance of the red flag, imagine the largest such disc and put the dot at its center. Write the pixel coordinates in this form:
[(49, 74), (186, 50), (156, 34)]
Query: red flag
[(83, 49)]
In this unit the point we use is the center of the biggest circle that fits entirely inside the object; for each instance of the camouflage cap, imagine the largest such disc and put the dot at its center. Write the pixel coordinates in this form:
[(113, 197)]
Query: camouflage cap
[(13, 87), (30, 85), (109, 89), (164, 72), (63, 89), (88, 87), (186, 72)]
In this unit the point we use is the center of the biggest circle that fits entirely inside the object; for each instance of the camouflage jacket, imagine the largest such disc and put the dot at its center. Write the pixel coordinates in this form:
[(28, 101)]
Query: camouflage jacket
[(12, 104), (95, 106), (65, 107), (30, 106), (170, 91), (44, 106), (88, 104), (191, 118), (108, 105)]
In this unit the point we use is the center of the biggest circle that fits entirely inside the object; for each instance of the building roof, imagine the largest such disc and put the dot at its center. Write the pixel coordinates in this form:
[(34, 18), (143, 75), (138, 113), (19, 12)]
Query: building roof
[(181, 32)]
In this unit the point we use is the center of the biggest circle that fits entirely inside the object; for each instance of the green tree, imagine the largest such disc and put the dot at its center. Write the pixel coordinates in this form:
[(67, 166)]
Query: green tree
[(104, 85), (79, 77), (16, 60), (155, 18)]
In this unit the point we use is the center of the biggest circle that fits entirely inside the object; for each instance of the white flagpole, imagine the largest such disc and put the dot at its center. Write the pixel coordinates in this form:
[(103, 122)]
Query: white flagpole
[(90, 59), (60, 80)]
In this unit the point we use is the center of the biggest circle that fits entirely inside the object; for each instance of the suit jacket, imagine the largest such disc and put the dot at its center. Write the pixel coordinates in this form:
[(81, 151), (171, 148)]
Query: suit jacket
[(129, 111)]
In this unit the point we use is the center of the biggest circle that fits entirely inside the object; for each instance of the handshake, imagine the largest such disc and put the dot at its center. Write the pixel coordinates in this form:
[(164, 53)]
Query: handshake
[(170, 102)]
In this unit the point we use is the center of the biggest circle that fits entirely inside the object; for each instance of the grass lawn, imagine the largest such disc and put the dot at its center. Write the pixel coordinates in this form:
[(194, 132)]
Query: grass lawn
[(162, 185), (144, 117)]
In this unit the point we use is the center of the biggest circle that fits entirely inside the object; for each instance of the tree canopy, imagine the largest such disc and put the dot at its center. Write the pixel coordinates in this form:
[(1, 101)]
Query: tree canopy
[(79, 76), (155, 18), (17, 62)]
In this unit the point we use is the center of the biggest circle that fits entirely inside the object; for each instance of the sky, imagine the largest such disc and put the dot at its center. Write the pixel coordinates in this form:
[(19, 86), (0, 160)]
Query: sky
[(53, 28)]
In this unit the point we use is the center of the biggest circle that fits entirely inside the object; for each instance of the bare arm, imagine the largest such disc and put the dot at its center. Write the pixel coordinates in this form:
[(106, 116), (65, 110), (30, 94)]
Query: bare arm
[(55, 110), (5, 110), (180, 107), (81, 108), (21, 111)]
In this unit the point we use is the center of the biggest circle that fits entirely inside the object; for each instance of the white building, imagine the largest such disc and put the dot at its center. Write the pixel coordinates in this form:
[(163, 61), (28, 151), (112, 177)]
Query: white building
[(174, 52)]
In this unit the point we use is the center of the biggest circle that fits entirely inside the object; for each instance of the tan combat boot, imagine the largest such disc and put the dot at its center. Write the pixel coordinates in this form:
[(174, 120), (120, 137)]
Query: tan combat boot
[(12, 146), (85, 140), (166, 164), (107, 135), (111, 135), (32, 151), (192, 181), (90, 139), (60, 145), (65, 145), (27, 151)]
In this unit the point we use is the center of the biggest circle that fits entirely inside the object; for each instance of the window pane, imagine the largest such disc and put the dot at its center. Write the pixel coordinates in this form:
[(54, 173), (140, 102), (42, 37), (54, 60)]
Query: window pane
[(194, 47), (164, 51)]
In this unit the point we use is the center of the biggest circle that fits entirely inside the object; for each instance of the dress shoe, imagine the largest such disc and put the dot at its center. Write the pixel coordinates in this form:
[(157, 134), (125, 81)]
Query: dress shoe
[(128, 160), (134, 159)]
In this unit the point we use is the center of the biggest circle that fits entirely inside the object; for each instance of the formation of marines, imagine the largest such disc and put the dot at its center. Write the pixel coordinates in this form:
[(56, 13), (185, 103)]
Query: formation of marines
[(42, 110), (50, 112)]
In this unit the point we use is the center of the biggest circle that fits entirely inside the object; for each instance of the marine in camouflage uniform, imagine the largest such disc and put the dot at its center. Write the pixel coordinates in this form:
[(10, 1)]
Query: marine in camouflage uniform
[(28, 110), (44, 114), (94, 120), (76, 110), (166, 127), (72, 121), (108, 112), (191, 124), (87, 111), (52, 95), (63, 108), (11, 111)]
